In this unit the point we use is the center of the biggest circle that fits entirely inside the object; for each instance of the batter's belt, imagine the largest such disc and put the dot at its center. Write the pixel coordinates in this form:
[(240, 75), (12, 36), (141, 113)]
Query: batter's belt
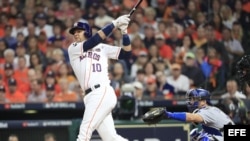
[(87, 91)]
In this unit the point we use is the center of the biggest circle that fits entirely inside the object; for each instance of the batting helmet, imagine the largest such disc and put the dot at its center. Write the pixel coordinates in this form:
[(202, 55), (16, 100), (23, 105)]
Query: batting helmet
[(243, 69), (194, 96), (82, 26)]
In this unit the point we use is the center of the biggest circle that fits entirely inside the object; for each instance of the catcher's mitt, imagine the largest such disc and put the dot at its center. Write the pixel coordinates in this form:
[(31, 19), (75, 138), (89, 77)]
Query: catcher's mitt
[(154, 116)]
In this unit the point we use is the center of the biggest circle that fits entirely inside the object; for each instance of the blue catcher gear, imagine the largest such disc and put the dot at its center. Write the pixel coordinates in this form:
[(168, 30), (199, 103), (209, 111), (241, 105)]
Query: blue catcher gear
[(194, 96), (83, 26)]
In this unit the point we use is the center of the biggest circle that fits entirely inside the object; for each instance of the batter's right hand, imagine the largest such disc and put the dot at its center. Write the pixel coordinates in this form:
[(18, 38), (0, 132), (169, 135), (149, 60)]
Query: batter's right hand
[(122, 20)]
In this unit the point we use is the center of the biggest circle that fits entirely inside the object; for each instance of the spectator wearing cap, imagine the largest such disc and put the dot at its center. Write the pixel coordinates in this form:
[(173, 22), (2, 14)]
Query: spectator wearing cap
[(9, 72), (140, 61), (102, 17), (138, 90), (43, 26), (13, 94), (178, 80), (37, 93), (151, 92), (52, 79), (11, 41), (192, 71), (3, 98), (51, 94), (19, 26), (165, 51)]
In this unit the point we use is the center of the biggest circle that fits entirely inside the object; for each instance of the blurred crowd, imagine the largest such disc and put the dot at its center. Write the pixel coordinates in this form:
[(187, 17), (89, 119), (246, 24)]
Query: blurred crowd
[(177, 45)]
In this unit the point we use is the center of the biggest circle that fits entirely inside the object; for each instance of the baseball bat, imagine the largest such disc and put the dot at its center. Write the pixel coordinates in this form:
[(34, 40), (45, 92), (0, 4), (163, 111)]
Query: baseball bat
[(135, 7)]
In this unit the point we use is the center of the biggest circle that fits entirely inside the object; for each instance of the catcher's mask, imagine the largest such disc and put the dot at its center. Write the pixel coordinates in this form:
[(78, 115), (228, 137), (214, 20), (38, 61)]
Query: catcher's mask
[(82, 26), (243, 69), (193, 96)]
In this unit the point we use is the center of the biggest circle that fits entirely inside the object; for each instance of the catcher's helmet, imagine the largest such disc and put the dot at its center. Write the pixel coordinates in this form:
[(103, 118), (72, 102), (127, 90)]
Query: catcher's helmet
[(243, 69), (194, 96), (82, 26)]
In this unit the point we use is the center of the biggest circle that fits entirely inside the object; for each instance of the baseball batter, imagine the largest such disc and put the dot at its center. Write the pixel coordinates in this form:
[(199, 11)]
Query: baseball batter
[(89, 60), (211, 118)]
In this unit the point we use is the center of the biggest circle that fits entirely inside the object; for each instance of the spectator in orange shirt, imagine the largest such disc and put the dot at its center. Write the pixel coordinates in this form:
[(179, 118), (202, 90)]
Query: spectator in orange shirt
[(21, 75), (13, 94), (66, 94), (64, 72), (165, 50), (3, 98)]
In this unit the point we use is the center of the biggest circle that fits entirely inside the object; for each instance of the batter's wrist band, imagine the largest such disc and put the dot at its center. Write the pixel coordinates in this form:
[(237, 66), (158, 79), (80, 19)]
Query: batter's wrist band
[(177, 115), (108, 29), (125, 40)]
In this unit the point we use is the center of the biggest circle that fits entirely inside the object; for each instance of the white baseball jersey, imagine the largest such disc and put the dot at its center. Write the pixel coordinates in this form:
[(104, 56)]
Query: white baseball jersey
[(91, 67), (214, 121)]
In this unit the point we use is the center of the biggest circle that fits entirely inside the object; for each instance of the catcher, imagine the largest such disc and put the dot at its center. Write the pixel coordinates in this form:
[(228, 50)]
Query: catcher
[(201, 111)]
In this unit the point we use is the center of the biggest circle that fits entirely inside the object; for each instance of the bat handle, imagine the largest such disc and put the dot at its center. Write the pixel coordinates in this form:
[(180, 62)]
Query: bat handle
[(132, 11)]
